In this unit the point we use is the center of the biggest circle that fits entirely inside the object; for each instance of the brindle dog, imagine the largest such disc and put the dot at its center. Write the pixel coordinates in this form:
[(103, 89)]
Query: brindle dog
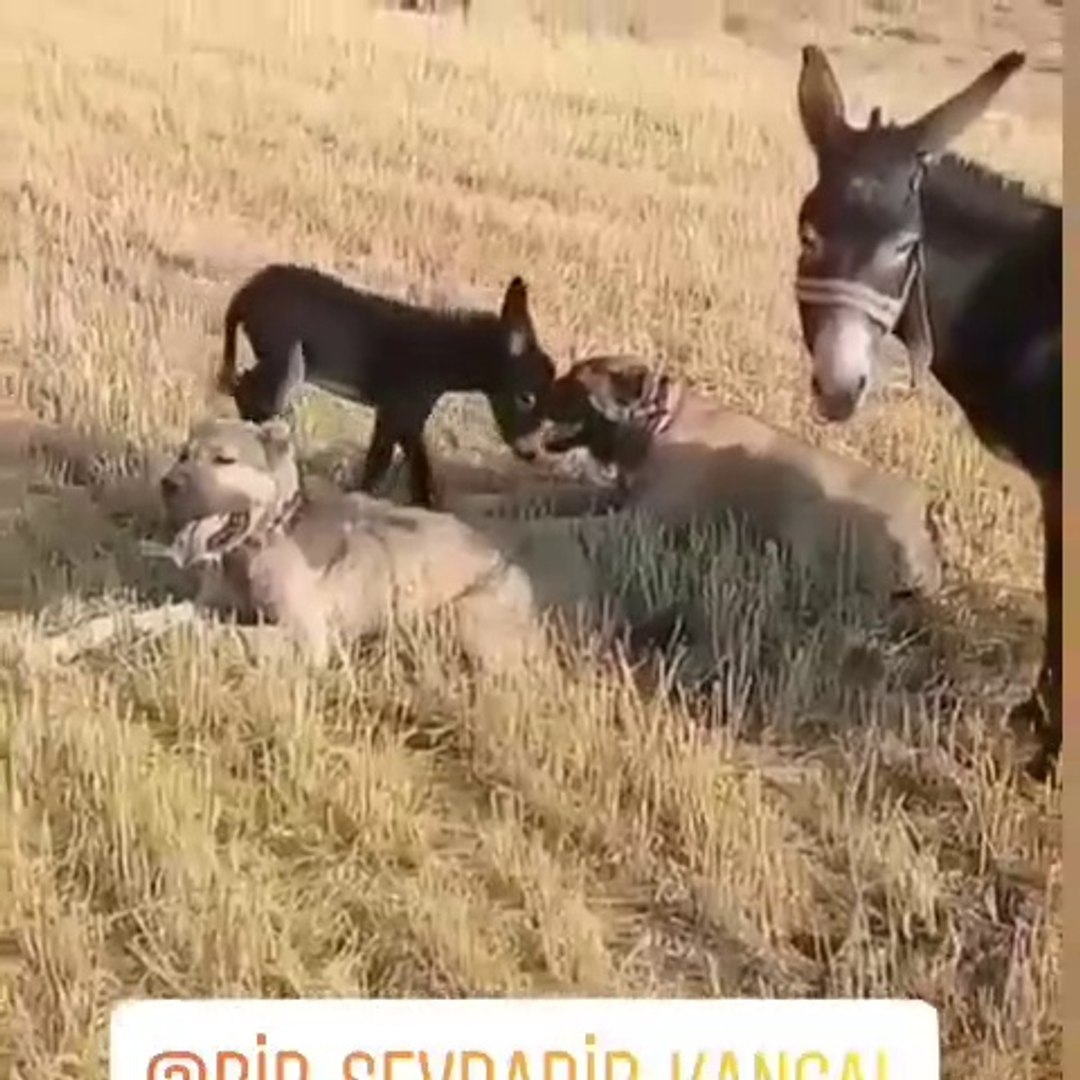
[(679, 456), (304, 325), (965, 268)]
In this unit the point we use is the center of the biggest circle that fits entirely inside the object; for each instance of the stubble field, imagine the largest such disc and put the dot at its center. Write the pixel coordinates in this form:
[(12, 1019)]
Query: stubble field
[(180, 823)]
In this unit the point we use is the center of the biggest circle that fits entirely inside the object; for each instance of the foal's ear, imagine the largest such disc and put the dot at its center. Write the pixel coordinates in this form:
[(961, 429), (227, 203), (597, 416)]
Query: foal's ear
[(276, 437), (515, 305), (821, 103), (295, 373)]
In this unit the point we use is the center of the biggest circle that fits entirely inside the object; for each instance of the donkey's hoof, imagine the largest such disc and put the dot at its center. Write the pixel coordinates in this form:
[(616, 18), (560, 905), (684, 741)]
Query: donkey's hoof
[(1028, 717), (1042, 764), (1029, 722)]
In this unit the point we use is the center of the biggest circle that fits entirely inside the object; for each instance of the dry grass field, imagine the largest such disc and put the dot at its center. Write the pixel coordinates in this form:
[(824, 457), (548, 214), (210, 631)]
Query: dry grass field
[(179, 822)]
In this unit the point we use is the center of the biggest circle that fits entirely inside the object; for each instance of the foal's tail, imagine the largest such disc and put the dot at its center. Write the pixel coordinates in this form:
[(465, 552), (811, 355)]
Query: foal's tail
[(226, 376)]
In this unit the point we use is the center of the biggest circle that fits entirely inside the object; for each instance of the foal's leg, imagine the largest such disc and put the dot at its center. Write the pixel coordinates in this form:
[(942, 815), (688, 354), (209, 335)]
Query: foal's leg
[(421, 480), (380, 453), (1042, 710)]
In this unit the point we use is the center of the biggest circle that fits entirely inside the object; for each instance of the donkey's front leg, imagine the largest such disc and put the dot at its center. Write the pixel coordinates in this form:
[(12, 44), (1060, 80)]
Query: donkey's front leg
[(1042, 710)]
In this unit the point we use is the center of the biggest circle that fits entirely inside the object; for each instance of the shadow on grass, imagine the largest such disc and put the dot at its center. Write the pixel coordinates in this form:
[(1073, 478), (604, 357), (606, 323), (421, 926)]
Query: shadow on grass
[(742, 637), (90, 500)]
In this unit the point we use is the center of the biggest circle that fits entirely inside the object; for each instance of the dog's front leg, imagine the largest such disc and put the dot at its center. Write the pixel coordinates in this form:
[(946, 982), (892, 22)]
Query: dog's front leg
[(213, 592), (265, 640), (98, 632)]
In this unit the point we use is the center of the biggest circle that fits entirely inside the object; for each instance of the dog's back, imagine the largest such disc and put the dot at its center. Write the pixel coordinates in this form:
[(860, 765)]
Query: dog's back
[(352, 565), (710, 458)]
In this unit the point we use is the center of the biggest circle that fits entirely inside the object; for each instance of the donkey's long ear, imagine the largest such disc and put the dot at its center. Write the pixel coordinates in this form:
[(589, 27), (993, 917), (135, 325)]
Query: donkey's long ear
[(938, 127), (821, 103)]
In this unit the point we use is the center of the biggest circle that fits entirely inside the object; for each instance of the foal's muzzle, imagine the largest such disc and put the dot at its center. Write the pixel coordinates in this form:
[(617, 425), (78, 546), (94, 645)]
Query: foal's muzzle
[(558, 438)]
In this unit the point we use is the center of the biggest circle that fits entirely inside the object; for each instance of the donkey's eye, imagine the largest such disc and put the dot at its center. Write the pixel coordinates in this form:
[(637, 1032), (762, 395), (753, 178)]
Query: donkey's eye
[(223, 458), (904, 246), (526, 400), (809, 239)]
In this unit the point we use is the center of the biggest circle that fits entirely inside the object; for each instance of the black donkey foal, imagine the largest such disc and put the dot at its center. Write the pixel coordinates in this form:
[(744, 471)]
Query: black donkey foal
[(304, 325), (964, 267)]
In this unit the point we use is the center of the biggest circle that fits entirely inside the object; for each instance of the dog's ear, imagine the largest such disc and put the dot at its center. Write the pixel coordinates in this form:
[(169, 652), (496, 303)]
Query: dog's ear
[(629, 383), (615, 390), (276, 438)]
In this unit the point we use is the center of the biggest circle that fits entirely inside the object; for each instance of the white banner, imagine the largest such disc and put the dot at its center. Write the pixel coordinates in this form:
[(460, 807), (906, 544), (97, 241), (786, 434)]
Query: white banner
[(524, 1039)]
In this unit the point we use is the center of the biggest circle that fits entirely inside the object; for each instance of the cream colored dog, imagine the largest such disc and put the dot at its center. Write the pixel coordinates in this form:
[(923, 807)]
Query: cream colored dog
[(678, 456), (330, 563)]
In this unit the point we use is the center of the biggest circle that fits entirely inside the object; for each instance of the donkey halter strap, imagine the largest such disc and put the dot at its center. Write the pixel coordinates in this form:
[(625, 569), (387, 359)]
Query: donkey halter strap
[(877, 306)]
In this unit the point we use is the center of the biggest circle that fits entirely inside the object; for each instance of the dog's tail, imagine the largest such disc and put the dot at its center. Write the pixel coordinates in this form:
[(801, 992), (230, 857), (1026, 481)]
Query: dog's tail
[(226, 375)]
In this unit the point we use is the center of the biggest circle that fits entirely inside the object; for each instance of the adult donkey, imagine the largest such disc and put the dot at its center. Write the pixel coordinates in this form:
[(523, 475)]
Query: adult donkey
[(964, 267)]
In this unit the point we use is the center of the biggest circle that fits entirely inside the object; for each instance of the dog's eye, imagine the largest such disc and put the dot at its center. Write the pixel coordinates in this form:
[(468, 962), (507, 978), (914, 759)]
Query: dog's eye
[(526, 400)]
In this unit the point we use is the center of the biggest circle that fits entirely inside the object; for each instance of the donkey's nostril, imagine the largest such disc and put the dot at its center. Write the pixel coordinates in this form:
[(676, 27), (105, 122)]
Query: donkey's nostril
[(815, 384), (860, 385), (169, 486)]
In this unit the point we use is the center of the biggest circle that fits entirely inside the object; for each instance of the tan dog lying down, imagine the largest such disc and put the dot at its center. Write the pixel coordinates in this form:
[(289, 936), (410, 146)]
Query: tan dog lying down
[(677, 455), (336, 563)]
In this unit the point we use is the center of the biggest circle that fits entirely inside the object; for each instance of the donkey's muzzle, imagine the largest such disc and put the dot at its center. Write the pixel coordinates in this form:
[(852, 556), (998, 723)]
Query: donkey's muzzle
[(840, 405)]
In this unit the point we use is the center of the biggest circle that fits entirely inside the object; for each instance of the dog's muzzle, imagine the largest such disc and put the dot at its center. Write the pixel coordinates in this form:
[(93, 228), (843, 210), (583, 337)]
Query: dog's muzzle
[(172, 489)]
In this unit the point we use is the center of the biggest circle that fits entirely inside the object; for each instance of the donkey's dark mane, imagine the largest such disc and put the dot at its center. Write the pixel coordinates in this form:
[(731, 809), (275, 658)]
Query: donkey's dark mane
[(978, 193)]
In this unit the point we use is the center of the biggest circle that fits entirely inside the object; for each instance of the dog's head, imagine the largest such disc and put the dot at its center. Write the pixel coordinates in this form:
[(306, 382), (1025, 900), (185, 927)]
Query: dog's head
[(602, 403), (528, 372), (229, 465)]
